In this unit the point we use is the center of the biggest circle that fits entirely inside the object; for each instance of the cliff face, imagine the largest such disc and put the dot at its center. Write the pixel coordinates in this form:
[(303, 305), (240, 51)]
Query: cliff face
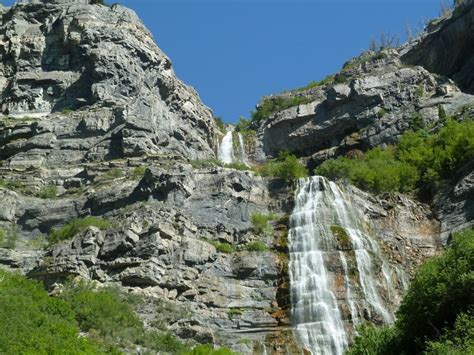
[(88, 83), (95, 123), (445, 47)]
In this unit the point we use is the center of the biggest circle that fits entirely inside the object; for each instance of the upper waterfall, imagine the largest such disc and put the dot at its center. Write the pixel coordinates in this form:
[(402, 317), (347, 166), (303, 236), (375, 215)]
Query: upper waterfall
[(338, 275), (227, 153)]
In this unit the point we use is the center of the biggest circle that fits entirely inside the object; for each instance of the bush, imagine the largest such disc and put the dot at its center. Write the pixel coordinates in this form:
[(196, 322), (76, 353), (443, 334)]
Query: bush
[(286, 166), (420, 161), (76, 226), (256, 246), (436, 314), (272, 105), (48, 192), (378, 171), (220, 123), (225, 248), (34, 323), (108, 314), (260, 223)]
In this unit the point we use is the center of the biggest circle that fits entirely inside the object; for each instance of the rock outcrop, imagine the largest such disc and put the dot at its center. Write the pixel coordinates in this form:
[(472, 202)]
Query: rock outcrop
[(378, 98), (453, 32), (88, 83)]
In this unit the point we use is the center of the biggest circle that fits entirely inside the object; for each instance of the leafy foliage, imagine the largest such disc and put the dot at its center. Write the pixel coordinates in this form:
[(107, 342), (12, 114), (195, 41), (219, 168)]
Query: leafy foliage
[(76, 226), (420, 161), (260, 223), (225, 248), (271, 105), (220, 123), (286, 166), (437, 312), (34, 323), (256, 246)]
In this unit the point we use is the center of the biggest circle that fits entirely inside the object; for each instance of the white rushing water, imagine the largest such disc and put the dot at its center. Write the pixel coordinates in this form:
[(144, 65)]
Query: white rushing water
[(226, 149), (226, 152), (243, 154), (327, 238)]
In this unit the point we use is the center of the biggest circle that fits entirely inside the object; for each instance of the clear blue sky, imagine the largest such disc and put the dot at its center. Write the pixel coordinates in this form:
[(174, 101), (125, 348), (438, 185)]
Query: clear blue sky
[(235, 51)]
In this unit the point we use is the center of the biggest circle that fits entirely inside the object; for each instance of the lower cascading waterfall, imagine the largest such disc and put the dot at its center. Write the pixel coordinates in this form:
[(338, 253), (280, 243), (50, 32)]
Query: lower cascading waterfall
[(337, 274)]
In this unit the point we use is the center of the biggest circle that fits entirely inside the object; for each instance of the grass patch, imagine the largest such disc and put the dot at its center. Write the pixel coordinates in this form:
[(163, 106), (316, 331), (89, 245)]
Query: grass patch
[(113, 174), (261, 223), (138, 172), (76, 226), (258, 246), (48, 192), (225, 248)]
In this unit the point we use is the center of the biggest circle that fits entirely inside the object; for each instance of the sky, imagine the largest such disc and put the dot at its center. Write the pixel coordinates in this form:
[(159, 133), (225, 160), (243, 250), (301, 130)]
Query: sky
[(233, 52)]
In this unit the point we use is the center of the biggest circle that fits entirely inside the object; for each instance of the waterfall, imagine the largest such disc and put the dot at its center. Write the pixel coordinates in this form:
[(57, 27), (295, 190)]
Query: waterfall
[(226, 148), (337, 273), (226, 152), (243, 154)]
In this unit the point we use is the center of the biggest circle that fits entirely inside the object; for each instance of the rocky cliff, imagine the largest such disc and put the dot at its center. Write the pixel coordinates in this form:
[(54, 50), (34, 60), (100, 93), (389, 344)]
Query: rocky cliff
[(95, 123)]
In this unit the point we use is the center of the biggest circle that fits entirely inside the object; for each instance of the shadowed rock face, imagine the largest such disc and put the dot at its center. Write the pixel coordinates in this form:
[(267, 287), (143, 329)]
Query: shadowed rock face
[(101, 63), (446, 48)]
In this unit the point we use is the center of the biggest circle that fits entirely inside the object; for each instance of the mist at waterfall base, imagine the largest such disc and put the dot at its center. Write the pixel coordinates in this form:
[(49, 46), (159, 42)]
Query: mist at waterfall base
[(338, 276)]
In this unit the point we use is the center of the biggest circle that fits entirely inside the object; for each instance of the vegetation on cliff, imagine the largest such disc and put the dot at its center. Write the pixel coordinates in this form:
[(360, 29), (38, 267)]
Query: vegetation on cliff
[(420, 162), (34, 322), (437, 313)]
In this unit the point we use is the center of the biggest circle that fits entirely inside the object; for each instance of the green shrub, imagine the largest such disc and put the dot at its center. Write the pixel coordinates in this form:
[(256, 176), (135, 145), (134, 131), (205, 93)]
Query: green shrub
[(436, 314), (220, 124), (416, 122), (48, 192), (260, 223), (225, 248), (378, 171), (76, 226), (420, 161), (420, 91), (34, 323), (108, 313), (286, 166), (272, 105), (381, 113), (256, 246)]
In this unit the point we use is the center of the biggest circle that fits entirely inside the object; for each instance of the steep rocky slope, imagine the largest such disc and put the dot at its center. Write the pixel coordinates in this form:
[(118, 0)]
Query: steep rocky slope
[(95, 123)]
